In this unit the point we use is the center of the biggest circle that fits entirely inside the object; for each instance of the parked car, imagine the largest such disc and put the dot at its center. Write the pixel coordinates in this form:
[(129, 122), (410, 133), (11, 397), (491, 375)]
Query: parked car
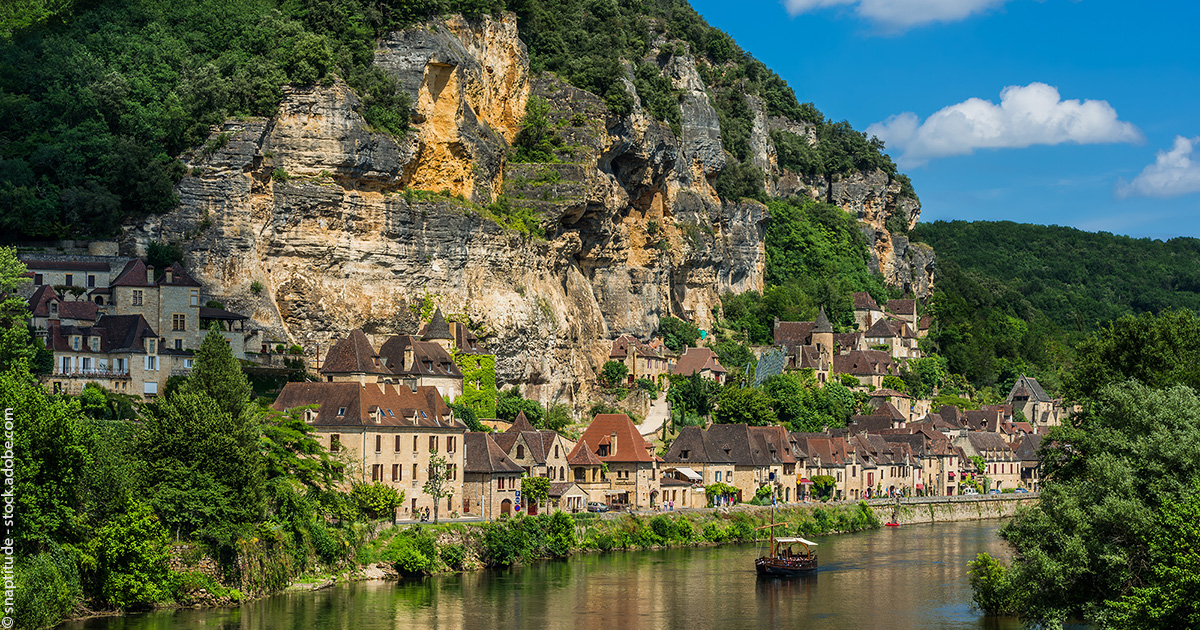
[(1021, 491), (596, 506), (970, 491), (994, 491)]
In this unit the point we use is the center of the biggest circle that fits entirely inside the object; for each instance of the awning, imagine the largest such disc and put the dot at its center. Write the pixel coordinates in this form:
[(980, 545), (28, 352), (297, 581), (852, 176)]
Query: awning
[(920, 486), (951, 475), (796, 540), (692, 475), (805, 482)]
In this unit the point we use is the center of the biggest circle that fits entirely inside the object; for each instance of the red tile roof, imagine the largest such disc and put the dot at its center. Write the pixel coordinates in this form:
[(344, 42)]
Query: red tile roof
[(631, 447), (398, 406), (353, 355), (696, 360)]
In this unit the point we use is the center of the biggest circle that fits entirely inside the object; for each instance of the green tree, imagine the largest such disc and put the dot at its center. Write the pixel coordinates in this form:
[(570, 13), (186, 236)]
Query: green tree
[(467, 416), (614, 373), (536, 140), (126, 561), (290, 451), (535, 490), (377, 500), (744, 405), (438, 485), (694, 394), (559, 417), (218, 375), (510, 403), (677, 334)]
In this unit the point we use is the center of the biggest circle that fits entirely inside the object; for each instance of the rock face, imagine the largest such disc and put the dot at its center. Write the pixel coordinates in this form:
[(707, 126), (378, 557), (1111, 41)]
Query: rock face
[(339, 227)]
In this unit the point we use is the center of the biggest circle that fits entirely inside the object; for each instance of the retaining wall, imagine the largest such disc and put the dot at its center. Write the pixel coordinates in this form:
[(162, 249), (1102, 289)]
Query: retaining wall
[(949, 509)]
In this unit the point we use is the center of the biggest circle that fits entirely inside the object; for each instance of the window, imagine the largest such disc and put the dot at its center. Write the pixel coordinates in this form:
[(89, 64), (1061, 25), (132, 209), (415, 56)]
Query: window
[(551, 474), (520, 451), (179, 344), (195, 297), (414, 444), (94, 344), (75, 342), (377, 472), (137, 297), (151, 363), (66, 365), (562, 472), (556, 451), (414, 472), (378, 443), (189, 363), (397, 443), (178, 322), (151, 345), (70, 281), (500, 483), (395, 473), (683, 454), (450, 444), (341, 411), (87, 363), (121, 366), (38, 279), (432, 443), (335, 443), (91, 281)]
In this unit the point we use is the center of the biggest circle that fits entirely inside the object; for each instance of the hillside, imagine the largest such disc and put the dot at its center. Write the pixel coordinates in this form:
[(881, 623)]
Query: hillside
[(1014, 297), (553, 174)]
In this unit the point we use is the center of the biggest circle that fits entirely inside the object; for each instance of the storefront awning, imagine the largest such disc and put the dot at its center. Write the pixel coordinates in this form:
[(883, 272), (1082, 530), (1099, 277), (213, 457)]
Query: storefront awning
[(691, 475), (805, 482)]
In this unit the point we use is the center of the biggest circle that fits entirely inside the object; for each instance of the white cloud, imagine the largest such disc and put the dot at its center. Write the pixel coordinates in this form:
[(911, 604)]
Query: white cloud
[(899, 14), (1027, 115), (1173, 173)]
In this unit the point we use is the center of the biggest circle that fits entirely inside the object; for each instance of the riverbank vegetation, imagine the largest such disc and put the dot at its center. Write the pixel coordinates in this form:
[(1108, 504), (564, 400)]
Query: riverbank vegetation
[(426, 549), (1112, 538)]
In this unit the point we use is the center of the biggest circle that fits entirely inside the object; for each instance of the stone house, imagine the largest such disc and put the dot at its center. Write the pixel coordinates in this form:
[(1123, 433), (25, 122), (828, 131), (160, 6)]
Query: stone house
[(170, 302), (760, 455), (568, 496), (869, 366), (632, 475), (866, 310), (642, 359), (904, 311), (702, 361), (540, 453), (898, 337), (490, 478), (1000, 463), (824, 454), (47, 306), (1039, 409), (588, 472), (121, 353), (808, 345), (694, 450), (385, 433), (1026, 451), (422, 363), (354, 360), (92, 275)]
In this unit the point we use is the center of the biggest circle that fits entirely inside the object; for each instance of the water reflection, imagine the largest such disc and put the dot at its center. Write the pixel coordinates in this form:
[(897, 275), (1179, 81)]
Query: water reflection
[(907, 578)]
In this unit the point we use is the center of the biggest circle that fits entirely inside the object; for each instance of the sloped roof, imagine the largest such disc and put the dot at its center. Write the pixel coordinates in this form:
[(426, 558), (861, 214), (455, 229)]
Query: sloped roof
[(428, 358), (353, 355), (582, 455), (220, 313), (871, 423), (179, 277), (902, 307), (778, 443), (848, 341), (793, 333), (738, 442), (39, 305), (560, 488), (1026, 449), (437, 328), (482, 455), (983, 441), (631, 447), (133, 275), (520, 424), (822, 324), (864, 302), (400, 406), (1033, 390), (124, 334), (864, 362), (888, 393), (34, 264), (697, 360)]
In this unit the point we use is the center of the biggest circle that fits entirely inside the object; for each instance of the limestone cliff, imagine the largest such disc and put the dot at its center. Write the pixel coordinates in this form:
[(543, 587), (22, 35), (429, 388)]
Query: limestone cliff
[(341, 227)]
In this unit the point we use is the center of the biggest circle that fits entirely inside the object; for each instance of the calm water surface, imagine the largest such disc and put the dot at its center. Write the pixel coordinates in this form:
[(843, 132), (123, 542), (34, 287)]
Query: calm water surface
[(911, 577)]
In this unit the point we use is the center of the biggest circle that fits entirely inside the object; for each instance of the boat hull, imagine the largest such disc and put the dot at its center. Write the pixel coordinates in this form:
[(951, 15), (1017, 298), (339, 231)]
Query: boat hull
[(784, 568)]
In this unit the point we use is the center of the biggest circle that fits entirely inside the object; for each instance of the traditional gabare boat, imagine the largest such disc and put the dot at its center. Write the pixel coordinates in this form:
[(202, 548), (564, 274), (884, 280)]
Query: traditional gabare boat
[(785, 559)]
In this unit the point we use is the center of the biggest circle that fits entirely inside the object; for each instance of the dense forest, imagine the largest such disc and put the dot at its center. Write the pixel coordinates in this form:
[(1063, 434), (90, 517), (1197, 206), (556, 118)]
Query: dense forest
[(1015, 297), (98, 99)]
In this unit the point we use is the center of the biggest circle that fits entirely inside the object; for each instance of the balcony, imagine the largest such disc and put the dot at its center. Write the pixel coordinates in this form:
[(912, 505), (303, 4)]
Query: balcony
[(92, 374)]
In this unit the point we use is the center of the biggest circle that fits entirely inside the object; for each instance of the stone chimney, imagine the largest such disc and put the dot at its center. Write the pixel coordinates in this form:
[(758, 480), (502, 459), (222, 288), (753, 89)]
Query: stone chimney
[(150, 275), (408, 356), (167, 277), (613, 446)]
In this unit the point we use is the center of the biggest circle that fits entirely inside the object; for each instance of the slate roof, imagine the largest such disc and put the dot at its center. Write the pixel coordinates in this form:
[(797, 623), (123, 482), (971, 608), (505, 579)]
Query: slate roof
[(1026, 448), (1033, 390), (991, 443), (119, 334), (793, 334), (39, 305), (560, 488), (886, 329), (695, 360), (428, 358), (822, 324), (34, 264), (622, 344), (631, 446), (220, 313), (871, 423), (864, 362), (848, 341), (134, 275), (437, 328), (482, 455), (400, 406), (353, 355)]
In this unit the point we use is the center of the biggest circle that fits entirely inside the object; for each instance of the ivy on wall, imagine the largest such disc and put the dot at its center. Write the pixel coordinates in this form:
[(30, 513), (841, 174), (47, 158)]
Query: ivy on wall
[(479, 382)]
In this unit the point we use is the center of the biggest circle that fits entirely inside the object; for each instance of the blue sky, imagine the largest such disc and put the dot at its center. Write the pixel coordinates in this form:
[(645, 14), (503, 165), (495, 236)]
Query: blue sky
[(1098, 126)]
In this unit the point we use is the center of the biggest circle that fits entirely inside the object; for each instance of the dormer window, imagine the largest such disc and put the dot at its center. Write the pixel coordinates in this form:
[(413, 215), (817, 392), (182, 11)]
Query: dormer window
[(341, 411), (151, 345), (683, 454), (95, 344), (54, 307), (75, 341)]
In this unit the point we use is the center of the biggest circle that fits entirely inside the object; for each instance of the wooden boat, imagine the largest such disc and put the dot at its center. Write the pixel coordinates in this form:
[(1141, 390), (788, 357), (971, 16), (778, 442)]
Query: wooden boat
[(784, 559)]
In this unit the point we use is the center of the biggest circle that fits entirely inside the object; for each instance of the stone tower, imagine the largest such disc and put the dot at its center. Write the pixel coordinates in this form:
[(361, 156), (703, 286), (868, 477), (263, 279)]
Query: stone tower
[(822, 337)]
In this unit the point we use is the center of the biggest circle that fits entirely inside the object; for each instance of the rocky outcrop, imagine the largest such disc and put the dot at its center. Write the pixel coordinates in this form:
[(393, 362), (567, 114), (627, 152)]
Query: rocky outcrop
[(314, 224)]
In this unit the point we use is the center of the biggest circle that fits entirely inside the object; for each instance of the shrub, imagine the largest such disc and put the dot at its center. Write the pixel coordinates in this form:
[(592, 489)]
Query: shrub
[(714, 532), (560, 535), (376, 500), (684, 530), (453, 555), (127, 560), (47, 588), (504, 544), (662, 527), (256, 287), (614, 373)]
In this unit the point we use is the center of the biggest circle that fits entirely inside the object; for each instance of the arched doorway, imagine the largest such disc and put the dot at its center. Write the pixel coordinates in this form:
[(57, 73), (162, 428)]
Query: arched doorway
[(505, 507)]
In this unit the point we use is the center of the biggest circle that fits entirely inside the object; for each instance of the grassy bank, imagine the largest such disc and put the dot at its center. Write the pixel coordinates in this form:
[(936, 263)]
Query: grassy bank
[(427, 549)]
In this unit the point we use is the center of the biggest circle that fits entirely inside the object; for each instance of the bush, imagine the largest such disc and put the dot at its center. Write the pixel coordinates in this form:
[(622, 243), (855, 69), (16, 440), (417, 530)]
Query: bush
[(127, 560), (412, 552), (560, 535), (376, 500), (453, 555), (504, 544), (614, 373), (684, 530), (662, 527), (991, 586), (47, 588), (714, 532)]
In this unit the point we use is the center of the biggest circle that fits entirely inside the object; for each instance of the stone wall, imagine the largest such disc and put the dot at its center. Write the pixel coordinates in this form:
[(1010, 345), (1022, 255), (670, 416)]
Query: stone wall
[(950, 509)]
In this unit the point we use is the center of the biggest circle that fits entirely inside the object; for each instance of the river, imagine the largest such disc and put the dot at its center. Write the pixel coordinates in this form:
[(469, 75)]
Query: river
[(913, 577)]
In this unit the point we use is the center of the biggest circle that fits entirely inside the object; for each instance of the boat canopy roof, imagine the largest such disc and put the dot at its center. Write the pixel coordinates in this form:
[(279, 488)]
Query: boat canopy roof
[(796, 540)]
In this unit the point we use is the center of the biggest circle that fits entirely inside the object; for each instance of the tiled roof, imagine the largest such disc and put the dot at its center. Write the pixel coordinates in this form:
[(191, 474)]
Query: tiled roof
[(631, 447), (219, 313), (119, 334), (179, 277), (133, 275), (864, 362), (848, 341), (437, 328), (582, 455), (902, 307), (482, 455), (864, 302), (353, 355), (1026, 448), (400, 406), (563, 487), (65, 265), (520, 424), (792, 334), (888, 393), (696, 360), (872, 423), (1033, 390), (39, 306)]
